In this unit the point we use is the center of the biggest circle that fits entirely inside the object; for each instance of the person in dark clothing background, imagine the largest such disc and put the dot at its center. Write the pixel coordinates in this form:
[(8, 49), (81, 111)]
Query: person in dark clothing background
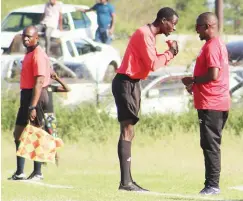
[(50, 117)]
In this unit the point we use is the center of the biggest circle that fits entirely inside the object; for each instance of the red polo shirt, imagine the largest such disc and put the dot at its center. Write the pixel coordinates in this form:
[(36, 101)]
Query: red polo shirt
[(215, 94), (141, 55), (35, 63)]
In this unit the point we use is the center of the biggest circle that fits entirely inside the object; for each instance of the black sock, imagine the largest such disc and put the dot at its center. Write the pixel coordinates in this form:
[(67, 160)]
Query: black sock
[(20, 160), (124, 154), (37, 167)]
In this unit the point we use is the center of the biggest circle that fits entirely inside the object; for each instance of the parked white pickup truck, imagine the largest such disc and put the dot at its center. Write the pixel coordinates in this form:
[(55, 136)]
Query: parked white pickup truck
[(75, 23), (86, 58)]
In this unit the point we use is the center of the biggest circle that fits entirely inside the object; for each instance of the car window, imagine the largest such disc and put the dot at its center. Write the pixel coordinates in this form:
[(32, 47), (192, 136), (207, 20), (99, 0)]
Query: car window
[(18, 21), (171, 86), (80, 20), (83, 47), (65, 22), (70, 48)]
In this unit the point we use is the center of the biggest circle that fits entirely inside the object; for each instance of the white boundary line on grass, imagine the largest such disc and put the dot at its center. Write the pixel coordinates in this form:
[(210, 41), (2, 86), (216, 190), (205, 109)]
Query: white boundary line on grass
[(239, 188), (191, 197), (47, 185)]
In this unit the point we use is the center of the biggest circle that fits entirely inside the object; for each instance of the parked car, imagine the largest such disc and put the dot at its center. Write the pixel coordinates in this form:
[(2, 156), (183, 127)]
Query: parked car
[(162, 92), (81, 55), (235, 51), (75, 23), (82, 88)]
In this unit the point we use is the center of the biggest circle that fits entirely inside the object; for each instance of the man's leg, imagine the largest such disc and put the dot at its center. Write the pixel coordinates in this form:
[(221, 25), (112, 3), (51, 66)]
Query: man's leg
[(39, 122), (124, 150), (19, 174), (48, 33), (98, 36), (211, 125)]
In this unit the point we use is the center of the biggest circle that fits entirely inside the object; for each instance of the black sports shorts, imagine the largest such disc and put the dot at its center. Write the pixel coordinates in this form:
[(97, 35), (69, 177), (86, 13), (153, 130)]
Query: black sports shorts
[(127, 94), (25, 101)]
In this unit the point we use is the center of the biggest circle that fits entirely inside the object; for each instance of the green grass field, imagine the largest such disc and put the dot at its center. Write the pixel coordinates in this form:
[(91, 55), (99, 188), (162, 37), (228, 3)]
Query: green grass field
[(172, 167)]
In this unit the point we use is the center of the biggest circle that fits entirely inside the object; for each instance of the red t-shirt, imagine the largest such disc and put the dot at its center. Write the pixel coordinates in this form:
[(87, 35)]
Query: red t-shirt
[(141, 55), (213, 95), (35, 63)]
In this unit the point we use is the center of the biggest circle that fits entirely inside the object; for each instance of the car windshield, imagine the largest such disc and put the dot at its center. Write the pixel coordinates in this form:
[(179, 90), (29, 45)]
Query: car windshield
[(17, 21)]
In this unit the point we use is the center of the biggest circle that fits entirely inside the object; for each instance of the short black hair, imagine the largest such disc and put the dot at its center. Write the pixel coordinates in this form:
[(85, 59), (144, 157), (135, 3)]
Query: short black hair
[(166, 13)]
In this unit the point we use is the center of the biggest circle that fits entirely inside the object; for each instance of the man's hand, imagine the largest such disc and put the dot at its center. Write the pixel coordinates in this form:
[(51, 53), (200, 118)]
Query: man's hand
[(173, 46), (110, 31), (54, 76), (189, 88), (32, 115), (187, 80)]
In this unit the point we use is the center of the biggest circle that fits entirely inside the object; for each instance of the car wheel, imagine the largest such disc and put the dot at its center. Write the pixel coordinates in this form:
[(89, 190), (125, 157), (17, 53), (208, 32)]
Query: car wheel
[(110, 72)]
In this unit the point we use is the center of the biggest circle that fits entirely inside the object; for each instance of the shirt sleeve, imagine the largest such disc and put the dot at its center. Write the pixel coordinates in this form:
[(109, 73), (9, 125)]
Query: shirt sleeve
[(150, 56), (39, 64), (112, 9), (212, 55)]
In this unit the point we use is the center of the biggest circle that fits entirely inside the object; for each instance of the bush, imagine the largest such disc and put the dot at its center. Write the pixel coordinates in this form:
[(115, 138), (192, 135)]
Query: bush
[(84, 121)]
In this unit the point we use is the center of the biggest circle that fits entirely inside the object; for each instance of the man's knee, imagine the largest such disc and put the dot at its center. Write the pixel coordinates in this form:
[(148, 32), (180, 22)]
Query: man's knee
[(127, 131)]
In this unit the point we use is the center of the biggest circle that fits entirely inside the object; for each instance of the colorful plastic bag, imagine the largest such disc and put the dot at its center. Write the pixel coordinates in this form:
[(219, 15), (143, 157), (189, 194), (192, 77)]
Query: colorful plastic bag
[(37, 145)]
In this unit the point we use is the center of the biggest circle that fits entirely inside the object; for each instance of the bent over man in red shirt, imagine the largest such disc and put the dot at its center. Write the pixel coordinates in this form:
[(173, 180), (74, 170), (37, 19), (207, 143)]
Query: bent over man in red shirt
[(210, 88), (140, 58), (34, 80)]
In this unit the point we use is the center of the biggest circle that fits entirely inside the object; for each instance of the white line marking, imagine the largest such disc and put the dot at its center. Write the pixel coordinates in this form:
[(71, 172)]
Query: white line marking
[(45, 184), (239, 188), (191, 197)]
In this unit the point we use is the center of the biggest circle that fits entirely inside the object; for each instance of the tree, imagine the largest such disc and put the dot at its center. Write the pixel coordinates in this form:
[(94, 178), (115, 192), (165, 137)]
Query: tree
[(233, 16)]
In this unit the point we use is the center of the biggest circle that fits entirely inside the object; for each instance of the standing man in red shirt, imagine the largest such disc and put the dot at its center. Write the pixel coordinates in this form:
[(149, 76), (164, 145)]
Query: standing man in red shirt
[(34, 80), (140, 58), (210, 88)]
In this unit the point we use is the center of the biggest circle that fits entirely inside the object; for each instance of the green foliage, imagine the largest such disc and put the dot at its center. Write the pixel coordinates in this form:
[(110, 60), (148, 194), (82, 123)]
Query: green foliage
[(9, 108), (87, 122), (233, 15)]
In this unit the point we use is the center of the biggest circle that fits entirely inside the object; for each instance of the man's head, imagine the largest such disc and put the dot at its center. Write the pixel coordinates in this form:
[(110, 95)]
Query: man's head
[(52, 2), (166, 20), (207, 25), (30, 36)]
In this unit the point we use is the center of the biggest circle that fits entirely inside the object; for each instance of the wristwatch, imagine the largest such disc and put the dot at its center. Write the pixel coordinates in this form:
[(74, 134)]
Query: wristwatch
[(32, 107)]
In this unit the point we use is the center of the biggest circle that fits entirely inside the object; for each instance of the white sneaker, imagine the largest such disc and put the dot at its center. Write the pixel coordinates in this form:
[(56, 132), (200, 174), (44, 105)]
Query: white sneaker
[(17, 176), (35, 177)]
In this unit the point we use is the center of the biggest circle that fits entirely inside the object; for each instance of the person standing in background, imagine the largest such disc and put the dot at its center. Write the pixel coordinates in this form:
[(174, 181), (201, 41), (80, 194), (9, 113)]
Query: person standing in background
[(105, 19), (51, 20), (50, 117)]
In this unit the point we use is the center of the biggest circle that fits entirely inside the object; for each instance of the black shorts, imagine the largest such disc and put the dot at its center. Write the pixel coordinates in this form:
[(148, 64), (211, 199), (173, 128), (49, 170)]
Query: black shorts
[(127, 94), (25, 101)]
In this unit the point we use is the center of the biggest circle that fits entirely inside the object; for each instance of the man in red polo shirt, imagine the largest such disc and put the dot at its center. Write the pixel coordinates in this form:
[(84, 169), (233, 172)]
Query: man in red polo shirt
[(35, 77), (210, 88), (140, 58)]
